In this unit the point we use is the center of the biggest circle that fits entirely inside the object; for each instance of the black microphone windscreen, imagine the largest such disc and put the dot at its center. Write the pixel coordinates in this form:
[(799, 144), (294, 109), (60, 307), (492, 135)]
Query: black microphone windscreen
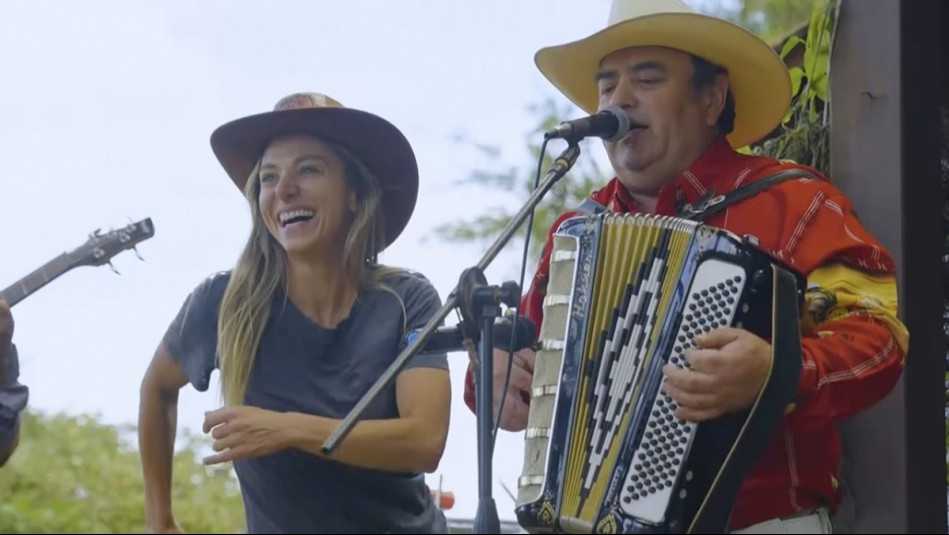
[(523, 330)]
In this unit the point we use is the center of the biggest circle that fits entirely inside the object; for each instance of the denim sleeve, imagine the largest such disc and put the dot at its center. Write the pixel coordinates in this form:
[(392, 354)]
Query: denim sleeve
[(13, 399), (191, 339)]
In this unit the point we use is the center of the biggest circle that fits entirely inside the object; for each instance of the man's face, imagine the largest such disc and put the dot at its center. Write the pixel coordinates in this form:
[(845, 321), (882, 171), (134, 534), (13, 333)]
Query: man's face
[(654, 85)]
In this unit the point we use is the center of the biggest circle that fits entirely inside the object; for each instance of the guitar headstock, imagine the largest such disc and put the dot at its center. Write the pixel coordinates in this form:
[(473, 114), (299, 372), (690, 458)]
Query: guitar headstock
[(102, 247)]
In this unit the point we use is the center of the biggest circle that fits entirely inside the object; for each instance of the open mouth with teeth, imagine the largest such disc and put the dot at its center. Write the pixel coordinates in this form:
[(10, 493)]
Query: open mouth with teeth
[(295, 216)]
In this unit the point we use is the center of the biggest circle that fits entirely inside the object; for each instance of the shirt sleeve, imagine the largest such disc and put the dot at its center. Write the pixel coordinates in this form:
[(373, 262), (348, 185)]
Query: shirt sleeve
[(421, 302), (13, 400), (191, 339), (853, 343)]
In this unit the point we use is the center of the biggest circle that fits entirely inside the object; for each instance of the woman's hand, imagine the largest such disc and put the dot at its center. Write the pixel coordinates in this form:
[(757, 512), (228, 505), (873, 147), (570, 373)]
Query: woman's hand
[(242, 432)]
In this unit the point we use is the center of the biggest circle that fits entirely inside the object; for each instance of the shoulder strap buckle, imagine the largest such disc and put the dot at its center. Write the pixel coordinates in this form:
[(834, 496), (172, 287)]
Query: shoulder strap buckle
[(710, 203), (704, 203)]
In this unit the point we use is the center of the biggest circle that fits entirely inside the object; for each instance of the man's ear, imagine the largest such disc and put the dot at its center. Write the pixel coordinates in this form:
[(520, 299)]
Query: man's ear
[(714, 96)]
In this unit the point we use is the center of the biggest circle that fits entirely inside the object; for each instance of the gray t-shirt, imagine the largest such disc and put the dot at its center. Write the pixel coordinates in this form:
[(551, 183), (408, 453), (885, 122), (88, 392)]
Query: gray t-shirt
[(303, 367)]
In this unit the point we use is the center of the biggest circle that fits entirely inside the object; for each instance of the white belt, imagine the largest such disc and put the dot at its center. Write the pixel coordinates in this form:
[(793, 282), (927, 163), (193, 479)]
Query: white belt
[(816, 522)]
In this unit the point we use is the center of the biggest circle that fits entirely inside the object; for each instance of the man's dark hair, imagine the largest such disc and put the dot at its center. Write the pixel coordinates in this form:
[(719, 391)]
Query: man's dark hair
[(703, 74)]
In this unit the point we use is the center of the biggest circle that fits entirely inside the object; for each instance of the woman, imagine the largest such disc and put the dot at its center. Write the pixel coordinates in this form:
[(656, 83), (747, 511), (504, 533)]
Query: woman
[(301, 327)]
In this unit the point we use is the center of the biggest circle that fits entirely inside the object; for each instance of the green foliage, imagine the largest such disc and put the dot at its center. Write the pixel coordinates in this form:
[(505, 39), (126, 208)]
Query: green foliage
[(75, 474), (804, 135), (518, 182), (772, 20)]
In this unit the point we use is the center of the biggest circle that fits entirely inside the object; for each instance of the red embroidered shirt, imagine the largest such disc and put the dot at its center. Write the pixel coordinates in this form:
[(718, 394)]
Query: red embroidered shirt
[(853, 344)]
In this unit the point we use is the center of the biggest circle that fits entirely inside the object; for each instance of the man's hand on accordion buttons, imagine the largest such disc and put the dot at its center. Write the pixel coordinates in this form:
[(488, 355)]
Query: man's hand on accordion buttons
[(727, 371), (514, 415)]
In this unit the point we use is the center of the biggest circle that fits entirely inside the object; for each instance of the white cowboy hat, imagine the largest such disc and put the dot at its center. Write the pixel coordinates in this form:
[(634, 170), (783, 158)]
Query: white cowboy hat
[(758, 78)]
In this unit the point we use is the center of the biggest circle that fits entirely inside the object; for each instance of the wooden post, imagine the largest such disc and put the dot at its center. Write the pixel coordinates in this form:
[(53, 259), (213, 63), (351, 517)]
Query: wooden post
[(886, 78)]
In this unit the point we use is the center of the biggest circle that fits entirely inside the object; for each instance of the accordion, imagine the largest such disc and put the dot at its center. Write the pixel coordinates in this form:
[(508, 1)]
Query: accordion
[(604, 451)]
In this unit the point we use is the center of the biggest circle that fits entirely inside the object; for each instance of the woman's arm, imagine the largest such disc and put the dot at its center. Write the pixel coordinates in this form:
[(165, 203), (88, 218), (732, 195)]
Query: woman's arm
[(414, 442), (157, 422)]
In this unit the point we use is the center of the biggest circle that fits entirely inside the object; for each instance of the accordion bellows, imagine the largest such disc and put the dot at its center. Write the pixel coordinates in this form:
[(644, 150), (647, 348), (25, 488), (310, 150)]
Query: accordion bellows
[(627, 293)]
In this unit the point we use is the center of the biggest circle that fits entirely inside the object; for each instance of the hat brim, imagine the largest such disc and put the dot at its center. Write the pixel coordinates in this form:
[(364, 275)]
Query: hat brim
[(378, 144), (758, 78)]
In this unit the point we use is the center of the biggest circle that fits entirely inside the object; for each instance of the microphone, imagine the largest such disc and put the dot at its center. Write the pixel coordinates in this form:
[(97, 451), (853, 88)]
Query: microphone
[(611, 124), (446, 339)]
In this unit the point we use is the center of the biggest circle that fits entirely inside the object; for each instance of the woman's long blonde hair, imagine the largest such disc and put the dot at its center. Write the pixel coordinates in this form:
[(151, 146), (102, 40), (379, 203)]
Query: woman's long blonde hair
[(261, 271)]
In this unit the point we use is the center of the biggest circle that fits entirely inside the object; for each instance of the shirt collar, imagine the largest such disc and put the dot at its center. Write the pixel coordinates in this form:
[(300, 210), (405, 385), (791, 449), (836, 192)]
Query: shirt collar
[(717, 170)]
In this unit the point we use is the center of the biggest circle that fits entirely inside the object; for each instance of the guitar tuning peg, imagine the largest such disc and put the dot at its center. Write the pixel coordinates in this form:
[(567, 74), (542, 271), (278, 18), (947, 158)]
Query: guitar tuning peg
[(139, 255), (113, 268)]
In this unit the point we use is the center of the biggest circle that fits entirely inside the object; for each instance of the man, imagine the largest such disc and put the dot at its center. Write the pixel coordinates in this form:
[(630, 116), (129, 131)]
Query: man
[(702, 87), (13, 395)]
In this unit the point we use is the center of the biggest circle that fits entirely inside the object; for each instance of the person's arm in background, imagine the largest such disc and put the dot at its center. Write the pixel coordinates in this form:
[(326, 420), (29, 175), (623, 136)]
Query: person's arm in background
[(13, 395)]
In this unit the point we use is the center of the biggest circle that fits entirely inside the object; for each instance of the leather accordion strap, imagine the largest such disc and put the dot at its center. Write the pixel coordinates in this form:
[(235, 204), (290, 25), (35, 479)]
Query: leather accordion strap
[(711, 203)]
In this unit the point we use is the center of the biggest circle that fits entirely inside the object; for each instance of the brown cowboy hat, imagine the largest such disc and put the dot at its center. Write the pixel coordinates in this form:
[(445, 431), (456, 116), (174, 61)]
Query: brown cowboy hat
[(380, 146), (758, 78)]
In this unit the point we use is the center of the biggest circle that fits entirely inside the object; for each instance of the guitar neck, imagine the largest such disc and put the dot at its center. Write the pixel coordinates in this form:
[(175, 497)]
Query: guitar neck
[(29, 284)]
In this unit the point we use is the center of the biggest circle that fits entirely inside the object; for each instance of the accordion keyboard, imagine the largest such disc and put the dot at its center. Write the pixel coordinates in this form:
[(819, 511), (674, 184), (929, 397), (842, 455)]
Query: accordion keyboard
[(666, 441)]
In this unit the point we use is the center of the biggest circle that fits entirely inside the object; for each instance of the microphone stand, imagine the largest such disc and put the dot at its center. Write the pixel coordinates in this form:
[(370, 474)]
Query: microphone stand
[(479, 305)]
